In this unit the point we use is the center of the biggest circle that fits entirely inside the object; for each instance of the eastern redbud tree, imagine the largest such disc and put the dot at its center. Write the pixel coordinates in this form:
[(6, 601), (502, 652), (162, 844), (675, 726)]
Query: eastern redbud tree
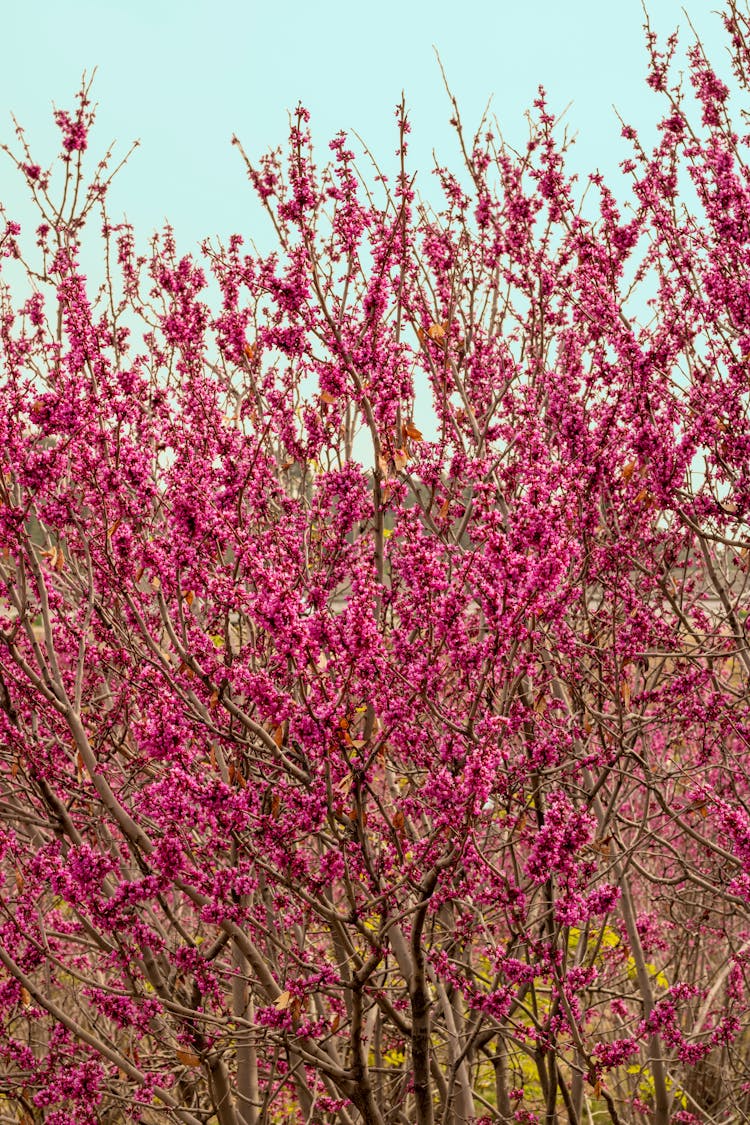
[(373, 652)]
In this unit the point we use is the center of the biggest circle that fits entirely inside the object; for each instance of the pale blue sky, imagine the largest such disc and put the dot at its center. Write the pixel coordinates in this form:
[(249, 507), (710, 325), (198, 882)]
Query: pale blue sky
[(183, 77)]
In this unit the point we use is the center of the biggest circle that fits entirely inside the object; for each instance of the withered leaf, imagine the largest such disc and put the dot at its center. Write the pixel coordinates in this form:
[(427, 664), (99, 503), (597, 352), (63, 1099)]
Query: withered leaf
[(187, 1058), (540, 703), (343, 786)]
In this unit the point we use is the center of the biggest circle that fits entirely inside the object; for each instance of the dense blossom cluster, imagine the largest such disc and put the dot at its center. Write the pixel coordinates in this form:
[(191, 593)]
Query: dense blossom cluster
[(373, 647)]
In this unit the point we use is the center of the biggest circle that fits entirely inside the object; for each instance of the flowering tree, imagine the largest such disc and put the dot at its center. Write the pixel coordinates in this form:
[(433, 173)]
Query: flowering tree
[(352, 773)]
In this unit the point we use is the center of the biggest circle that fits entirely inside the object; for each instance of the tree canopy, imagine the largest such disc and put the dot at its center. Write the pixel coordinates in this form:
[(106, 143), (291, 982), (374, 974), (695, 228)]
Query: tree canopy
[(373, 638)]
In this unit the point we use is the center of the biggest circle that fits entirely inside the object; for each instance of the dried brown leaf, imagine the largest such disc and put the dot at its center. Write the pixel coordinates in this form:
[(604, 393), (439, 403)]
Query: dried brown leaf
[(187, 1058)]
